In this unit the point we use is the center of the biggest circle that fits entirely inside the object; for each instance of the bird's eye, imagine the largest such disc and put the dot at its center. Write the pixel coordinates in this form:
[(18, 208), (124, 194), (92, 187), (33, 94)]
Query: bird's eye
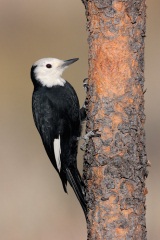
[(48, 65)]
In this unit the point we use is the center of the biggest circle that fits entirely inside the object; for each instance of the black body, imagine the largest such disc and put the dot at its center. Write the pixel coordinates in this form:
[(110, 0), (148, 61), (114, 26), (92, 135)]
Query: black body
[(56, 112)]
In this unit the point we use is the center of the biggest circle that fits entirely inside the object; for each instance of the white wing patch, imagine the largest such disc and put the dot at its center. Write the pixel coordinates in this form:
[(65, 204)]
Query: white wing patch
[(57, 152)]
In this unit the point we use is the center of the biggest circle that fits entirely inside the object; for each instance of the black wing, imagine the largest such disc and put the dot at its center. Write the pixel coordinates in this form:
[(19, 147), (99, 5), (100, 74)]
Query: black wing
[(46, 123)]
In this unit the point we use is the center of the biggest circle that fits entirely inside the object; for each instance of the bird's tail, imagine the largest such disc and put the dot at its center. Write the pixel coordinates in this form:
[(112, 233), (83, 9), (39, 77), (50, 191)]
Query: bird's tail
[(74, 178)]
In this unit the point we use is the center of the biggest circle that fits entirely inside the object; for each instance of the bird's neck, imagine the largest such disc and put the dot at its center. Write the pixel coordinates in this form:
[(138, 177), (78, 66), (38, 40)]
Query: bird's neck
[(51, 82)]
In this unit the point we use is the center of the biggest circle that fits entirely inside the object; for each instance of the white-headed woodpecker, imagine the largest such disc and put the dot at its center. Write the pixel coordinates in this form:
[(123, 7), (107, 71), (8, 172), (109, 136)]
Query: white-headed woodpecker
[(58, 118)]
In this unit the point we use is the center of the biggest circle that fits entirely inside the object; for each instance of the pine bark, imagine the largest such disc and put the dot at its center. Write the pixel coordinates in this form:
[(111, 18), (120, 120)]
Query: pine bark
[(115, 164)]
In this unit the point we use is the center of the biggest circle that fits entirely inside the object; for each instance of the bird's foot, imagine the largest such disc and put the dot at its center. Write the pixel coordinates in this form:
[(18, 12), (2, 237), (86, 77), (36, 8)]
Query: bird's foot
[(85, 84), (87, 136), (83, 109), (90, 134)]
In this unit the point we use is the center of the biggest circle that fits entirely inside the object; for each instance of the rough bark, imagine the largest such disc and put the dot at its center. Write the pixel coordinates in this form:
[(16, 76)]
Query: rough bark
[(115, 163)]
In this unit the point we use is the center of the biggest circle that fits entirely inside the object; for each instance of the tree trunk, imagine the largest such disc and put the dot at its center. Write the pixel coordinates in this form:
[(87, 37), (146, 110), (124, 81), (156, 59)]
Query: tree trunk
[(115, 163)]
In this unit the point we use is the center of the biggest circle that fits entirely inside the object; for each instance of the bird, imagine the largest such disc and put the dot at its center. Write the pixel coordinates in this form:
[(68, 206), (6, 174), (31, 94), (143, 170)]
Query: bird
[(58, 119)]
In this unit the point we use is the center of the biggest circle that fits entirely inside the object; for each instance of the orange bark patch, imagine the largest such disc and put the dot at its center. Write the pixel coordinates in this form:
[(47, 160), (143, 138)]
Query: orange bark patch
[(119, 6), (116, 119), (112, 219), (145, 191), (121, 232), (106, 149), (130, 187), (127, 212), (118, 107)]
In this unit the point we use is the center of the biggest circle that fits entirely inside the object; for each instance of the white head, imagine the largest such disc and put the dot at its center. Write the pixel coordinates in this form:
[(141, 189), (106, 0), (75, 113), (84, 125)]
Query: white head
[(48, 71)]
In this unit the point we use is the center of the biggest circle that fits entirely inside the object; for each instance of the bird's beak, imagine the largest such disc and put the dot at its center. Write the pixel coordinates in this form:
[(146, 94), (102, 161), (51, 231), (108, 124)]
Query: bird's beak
[(70, 61)]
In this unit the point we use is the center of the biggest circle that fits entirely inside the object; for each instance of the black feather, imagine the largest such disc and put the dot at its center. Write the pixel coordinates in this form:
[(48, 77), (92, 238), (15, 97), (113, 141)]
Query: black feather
[(72, 177), (56, 112)]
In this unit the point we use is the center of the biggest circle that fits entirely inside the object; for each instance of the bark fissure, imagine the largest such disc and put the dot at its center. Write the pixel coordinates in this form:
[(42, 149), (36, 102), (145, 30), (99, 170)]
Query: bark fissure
[(115, 163)]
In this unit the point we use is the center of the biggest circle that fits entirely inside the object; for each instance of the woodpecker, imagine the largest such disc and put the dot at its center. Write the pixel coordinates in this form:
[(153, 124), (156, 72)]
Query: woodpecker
[(58, 117)]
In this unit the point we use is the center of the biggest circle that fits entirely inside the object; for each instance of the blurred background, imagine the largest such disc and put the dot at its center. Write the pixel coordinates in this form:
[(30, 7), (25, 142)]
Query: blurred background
[(33, 205)]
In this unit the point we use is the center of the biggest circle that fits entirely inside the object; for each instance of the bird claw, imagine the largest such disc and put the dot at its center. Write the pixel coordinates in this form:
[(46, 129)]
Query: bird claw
[(83, 147), (85, 84), (86, 87), (91, 134), (84, 107), (87, 136)]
